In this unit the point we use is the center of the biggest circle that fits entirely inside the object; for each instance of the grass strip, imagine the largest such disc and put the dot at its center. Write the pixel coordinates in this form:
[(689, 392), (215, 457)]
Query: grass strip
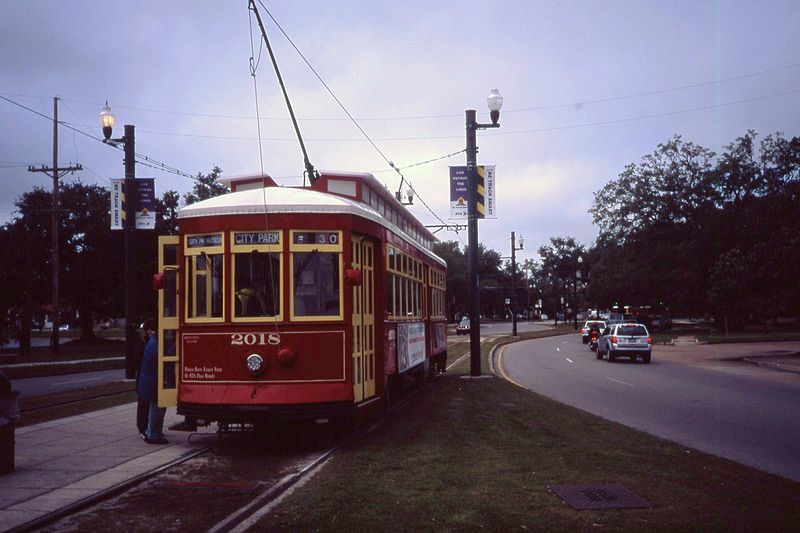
[(479, 454)]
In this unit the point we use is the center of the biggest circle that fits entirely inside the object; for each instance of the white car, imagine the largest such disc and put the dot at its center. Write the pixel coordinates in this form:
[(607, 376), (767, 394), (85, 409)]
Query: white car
[(625, 340), (600, 325)]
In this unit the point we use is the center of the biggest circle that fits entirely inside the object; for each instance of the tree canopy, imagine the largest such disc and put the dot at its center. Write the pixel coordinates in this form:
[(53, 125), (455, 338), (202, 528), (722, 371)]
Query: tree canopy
[(702, 233)]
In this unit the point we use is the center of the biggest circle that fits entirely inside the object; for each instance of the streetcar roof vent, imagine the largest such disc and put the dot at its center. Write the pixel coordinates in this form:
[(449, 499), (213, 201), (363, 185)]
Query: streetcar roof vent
[(248, 182)]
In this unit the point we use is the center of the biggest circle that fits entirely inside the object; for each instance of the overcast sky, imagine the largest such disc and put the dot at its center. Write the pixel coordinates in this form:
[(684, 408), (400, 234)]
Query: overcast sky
[(589, 87)]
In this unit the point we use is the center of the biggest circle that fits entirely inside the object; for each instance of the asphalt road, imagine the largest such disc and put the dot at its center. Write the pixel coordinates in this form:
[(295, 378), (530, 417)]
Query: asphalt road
[(747, 418), (51, 384), (504, 328)]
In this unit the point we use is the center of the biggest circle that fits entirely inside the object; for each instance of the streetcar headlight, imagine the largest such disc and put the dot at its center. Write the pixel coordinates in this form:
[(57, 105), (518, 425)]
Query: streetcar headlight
[(255, 364)]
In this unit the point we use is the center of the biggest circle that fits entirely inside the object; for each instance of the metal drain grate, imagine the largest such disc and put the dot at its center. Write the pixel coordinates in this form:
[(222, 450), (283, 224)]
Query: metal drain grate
[(599, 496)]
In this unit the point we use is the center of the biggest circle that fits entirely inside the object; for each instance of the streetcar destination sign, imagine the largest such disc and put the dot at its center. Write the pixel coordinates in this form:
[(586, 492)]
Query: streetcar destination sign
[(262, 237), (200, 241)]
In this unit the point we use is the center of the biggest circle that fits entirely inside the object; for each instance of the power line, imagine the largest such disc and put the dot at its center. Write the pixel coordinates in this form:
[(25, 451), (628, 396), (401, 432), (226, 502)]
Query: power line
[(504, 132), (645, 117), (443, 116), (158, 165), (341, 105)]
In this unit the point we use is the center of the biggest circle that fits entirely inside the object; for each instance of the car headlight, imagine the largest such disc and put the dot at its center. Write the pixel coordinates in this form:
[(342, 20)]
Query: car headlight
[(255, 364)]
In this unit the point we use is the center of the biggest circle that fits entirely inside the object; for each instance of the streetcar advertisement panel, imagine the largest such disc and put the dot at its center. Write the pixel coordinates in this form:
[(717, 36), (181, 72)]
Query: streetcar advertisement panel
[(288, 357), (410, 345)]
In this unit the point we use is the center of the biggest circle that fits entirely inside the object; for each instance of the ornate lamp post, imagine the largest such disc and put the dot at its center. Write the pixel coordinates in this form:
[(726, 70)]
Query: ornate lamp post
[(494, 102), (128, 141), (577, 276), (513, 281)]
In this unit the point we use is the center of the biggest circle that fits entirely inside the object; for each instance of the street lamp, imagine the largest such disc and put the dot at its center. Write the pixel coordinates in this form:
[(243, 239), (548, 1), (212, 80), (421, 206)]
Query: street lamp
[(494, 102), (513, 281), (577, 276), (107, 121)]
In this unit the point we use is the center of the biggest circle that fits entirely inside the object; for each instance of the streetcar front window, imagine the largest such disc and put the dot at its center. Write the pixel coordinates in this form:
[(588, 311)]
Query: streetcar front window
[(257, 284), (205, 294), (316, 284)]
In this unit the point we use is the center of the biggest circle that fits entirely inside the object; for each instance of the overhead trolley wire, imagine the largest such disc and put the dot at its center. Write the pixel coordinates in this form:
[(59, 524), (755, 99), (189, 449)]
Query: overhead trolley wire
[(449, 116), (500, 132), (141, 158), (341, 105)]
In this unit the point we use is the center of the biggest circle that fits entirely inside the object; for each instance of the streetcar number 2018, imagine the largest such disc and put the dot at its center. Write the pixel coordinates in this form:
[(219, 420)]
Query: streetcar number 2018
[(255, 339)]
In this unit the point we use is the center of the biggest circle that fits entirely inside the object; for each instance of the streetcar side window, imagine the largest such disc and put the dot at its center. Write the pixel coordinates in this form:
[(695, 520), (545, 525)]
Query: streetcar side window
[(437, 283), (404, 289), (205, 279), (316, 275)]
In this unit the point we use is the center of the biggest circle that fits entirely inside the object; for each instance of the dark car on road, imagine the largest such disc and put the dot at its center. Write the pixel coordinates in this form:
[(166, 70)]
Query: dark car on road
[(463, 327), (625, 340)]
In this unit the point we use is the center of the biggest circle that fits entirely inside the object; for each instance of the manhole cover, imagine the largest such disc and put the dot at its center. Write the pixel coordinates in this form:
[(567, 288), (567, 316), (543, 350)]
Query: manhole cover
[(599, 496)]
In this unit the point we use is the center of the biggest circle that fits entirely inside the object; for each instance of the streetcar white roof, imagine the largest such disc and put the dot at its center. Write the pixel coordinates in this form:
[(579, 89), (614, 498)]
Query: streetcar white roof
[(286, 200)]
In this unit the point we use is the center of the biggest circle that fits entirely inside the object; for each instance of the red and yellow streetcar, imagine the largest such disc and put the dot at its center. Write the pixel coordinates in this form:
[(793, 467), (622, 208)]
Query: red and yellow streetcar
[(310, 302)]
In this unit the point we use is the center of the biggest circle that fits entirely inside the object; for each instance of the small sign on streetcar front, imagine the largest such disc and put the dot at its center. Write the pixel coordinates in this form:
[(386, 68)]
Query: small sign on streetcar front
[(316, 237), (203, 241)]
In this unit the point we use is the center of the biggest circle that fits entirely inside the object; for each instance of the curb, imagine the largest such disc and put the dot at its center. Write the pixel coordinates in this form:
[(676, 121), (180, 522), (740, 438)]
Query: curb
[(764, 361)]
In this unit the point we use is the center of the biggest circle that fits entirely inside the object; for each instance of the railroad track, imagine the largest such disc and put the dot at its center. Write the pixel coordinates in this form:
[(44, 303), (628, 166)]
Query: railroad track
[(229, 485)]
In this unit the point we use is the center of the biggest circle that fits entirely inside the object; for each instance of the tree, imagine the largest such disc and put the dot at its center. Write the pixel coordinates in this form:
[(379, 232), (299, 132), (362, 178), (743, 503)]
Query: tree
[(92, 261), (90, 255), (457, 292), (167, 208), (558, 271), (668, 186), (698, 233), (206, 186)]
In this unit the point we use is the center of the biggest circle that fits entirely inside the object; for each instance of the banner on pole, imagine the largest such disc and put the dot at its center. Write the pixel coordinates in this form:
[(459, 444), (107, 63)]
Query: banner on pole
[(144, 203), (117, 205), (459, 197)]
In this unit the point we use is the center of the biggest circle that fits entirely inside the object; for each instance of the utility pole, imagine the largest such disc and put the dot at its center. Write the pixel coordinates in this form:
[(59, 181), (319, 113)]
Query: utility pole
[(55, 172)]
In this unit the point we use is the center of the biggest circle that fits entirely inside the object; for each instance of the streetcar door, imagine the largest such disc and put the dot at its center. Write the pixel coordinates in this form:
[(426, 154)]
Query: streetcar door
[(363, 258), (168, 321)]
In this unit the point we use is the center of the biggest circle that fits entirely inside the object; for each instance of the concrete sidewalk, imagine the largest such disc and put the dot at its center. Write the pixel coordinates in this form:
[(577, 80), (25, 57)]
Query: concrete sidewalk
[(63, 464), (783, 356)]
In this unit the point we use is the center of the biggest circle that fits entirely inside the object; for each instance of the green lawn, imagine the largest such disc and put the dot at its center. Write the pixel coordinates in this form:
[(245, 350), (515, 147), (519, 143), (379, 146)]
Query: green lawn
[(479, 454)]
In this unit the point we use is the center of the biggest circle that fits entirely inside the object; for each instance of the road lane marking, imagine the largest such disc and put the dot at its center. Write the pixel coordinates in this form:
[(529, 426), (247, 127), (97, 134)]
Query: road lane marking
[(502, 369), (75, 381), (622, 382), (570, 360), (558, 349)]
